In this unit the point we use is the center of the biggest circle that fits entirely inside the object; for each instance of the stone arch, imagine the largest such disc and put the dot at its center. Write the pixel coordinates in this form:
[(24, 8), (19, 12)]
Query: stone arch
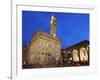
[(75, 55), (83, 54)]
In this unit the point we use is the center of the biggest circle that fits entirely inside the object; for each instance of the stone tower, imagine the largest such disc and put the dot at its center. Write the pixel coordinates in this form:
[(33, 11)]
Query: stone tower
[(53, 25)]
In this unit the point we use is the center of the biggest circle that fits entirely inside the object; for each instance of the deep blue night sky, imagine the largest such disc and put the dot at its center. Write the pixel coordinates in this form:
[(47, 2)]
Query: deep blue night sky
[(71, 27)]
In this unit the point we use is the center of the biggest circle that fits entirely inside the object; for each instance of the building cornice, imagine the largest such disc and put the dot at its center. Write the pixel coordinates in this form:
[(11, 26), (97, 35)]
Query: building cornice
[(45, 36)]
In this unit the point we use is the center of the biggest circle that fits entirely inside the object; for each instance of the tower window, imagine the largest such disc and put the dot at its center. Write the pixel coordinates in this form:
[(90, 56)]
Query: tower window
[(42, 53)]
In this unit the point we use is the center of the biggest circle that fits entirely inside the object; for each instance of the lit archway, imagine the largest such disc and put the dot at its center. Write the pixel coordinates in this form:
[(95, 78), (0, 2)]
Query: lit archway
[(75, 55), (83, 54)]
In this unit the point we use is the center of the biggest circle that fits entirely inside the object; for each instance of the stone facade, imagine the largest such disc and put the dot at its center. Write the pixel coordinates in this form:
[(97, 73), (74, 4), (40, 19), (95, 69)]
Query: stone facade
[(44, 48)]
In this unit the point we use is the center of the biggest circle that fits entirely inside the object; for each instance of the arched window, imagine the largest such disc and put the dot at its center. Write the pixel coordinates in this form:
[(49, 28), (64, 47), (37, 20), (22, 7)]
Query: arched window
[(42, 53), (83, 54), (75, 55)]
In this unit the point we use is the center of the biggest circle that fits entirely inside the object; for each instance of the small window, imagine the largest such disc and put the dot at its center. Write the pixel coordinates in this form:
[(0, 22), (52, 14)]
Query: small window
[(64, 51), (39, 57), (49, 54), (52, 58), (45, 53), (42, 53)]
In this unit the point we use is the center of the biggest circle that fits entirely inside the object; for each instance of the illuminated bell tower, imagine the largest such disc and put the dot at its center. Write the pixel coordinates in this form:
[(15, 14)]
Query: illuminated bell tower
[(53, 25)]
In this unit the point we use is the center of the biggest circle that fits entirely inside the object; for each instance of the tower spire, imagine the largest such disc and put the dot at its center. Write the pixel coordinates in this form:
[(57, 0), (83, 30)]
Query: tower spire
[(53, 25)]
